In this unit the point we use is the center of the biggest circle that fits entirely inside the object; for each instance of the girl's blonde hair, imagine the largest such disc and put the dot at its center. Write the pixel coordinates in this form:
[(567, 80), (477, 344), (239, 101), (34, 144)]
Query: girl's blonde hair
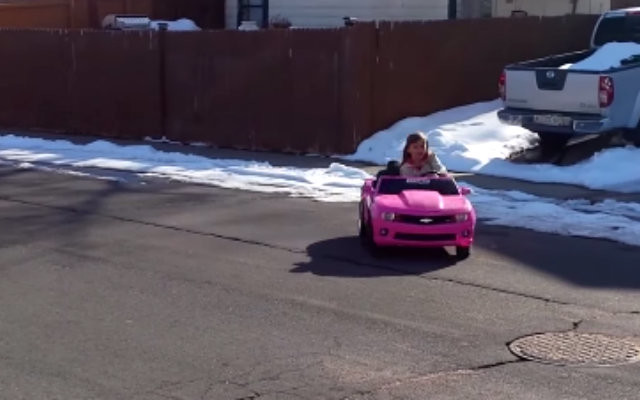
[(411, 139)]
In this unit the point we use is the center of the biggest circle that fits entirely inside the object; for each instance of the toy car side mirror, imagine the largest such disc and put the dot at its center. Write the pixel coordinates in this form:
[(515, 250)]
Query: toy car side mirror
[(465, 191), (367, 187)]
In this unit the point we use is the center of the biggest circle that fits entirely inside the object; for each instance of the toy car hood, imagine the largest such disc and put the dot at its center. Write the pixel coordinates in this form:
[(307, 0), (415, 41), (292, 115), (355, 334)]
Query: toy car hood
[(422, 200)]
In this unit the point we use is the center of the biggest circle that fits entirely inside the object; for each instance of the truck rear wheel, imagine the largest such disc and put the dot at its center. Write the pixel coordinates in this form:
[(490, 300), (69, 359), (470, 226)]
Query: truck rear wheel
[(632, 136), (552, 143)]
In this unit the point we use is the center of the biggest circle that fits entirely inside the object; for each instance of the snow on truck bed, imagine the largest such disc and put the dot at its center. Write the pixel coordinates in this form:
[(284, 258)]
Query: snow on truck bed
[(606, 57)]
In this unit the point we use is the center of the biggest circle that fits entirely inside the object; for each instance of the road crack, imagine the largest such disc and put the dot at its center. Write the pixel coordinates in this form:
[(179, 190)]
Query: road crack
[(417, 379), (252, 396), (576, 324)]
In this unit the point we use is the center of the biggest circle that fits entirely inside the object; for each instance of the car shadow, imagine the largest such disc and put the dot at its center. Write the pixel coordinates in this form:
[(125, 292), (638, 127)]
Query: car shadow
[(347, 257)]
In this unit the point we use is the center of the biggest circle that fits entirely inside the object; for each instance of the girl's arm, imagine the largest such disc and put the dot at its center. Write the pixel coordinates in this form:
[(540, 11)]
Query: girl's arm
[(407, 170), (436, 165)]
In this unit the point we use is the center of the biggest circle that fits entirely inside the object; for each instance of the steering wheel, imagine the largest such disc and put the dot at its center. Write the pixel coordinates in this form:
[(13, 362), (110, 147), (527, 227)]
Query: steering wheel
[(430, 173)]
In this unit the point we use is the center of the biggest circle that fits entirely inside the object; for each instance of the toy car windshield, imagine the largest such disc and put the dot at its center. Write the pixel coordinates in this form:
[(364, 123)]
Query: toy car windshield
[(444, 186)]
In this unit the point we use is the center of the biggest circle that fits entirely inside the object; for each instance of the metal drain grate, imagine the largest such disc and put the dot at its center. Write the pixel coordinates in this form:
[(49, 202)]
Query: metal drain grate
[(576, 349)]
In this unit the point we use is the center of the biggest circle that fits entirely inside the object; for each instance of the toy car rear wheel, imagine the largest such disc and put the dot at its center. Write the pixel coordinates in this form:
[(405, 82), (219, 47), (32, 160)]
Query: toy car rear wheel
[(462, 252), (362, 226)]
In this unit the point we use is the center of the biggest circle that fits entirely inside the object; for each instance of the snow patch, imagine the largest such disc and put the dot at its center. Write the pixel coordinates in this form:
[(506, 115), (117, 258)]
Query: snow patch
[(609, 219), (336, 183)]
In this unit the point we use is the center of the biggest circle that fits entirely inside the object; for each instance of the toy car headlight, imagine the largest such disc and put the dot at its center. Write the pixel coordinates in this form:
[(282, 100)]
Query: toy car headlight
[(462, 217), (388, 216)]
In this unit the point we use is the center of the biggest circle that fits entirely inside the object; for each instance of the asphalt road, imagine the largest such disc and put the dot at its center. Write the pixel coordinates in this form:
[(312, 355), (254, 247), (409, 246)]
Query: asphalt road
[(156, 290)]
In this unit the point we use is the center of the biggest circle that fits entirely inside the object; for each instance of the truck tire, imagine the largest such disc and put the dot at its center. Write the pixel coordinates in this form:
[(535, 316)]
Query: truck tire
[(552, 143), (632, 136)]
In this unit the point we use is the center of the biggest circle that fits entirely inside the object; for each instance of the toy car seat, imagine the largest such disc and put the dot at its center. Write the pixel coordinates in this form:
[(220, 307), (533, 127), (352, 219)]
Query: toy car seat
[(392, 169)]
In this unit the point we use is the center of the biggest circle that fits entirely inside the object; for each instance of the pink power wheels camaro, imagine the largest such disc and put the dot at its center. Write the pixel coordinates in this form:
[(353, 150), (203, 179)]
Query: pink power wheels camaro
[(428, 211)]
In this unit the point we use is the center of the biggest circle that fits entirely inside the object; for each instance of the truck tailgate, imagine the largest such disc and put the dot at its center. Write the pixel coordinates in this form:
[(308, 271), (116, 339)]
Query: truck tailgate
[(553, 89)]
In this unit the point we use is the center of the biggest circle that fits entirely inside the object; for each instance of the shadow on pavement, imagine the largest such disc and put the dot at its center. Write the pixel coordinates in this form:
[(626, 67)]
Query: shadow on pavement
[(585, 262), (346, 257)]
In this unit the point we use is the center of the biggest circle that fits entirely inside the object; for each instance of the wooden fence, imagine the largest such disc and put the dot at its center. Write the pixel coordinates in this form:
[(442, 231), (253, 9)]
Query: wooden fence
[(290, 90)]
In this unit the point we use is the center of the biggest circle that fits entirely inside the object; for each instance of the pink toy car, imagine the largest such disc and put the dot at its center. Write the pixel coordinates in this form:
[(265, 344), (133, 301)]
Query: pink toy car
[(429, 211)]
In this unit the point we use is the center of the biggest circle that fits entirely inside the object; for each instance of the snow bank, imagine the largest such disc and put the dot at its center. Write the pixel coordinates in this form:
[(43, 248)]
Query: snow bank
[(336, 183), (465, 138), (472, 139), (610, 55), (615, 170), (610, 219)]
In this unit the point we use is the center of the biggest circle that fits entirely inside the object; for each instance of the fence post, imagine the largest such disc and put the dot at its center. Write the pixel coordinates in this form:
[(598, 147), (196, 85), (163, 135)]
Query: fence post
[(94, 18), (162, 73), (357, 66)]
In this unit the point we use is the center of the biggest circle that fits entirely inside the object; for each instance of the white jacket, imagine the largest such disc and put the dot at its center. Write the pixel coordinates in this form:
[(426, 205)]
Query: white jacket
[(432, 165)]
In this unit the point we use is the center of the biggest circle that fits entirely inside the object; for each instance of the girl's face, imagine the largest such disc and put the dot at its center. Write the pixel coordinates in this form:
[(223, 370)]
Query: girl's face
[(417, 150)]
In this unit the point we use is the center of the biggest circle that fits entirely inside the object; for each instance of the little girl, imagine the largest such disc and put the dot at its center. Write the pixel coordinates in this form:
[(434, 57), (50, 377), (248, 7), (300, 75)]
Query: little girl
[(417, 160)]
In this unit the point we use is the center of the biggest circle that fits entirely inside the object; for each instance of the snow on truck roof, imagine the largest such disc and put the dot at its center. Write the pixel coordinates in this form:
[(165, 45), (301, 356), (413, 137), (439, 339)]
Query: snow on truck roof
[(623, 11)]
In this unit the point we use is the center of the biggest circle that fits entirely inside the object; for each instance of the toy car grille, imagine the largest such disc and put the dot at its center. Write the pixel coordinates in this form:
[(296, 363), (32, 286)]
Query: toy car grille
[(425, 237), (425, 220)]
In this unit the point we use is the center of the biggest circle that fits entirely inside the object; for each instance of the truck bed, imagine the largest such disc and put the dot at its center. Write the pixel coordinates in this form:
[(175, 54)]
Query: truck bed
[(609, 57)]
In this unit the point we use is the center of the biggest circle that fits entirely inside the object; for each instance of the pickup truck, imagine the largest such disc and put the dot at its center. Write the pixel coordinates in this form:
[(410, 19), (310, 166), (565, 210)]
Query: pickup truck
[(560, 102)]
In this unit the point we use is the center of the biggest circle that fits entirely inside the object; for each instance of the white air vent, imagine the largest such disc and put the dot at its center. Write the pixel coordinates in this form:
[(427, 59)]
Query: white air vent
[(126, 22)]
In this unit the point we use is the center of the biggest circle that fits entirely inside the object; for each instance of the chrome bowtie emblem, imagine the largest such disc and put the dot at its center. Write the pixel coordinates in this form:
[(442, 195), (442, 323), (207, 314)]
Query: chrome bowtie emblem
[(551, 74), (426, 220)]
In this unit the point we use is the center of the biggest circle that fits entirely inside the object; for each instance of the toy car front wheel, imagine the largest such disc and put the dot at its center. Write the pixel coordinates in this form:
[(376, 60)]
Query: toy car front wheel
[(462, 253), (368, 240), (362, 227)]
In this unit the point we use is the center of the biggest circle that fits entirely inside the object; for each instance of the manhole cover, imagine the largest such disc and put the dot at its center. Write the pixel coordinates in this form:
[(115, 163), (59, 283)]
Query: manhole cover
[(576, 349)]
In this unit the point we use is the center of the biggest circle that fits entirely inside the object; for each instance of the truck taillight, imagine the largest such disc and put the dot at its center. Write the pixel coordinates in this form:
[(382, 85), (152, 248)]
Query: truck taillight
[(502, 85), (605, 91)]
